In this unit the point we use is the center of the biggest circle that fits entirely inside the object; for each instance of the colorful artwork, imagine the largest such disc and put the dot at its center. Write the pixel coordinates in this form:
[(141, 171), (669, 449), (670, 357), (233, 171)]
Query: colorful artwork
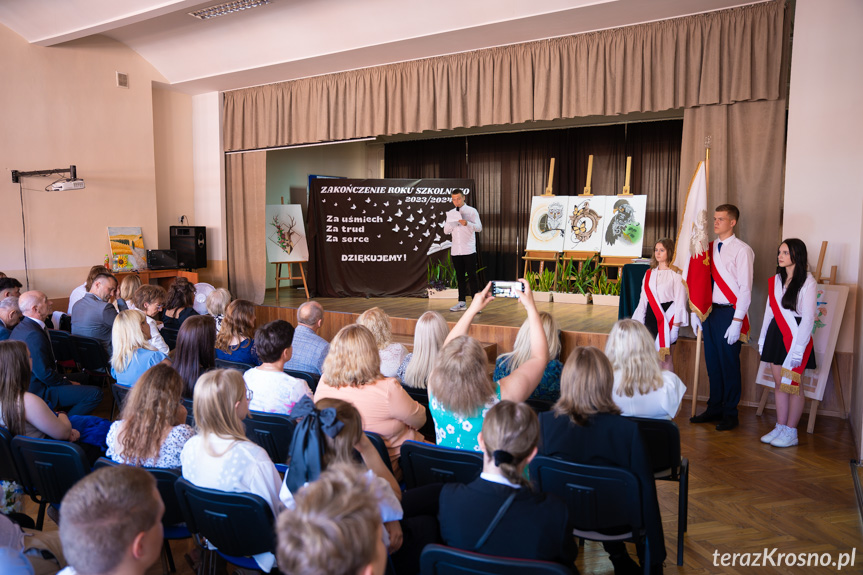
[(127, 249), (286, 234), (623, 223), (830, 308), (585, 218), (547, 223)]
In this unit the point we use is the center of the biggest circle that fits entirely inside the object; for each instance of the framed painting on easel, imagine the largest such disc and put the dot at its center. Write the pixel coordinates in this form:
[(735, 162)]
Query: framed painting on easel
[(548, 223)]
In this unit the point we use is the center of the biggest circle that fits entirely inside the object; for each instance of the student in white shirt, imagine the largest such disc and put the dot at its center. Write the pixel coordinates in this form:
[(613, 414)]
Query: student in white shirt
[(274, 390), (790, 311)]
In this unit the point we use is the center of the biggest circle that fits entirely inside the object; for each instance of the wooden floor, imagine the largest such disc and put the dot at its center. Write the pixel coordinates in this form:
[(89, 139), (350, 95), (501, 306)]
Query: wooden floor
[(744, 496)]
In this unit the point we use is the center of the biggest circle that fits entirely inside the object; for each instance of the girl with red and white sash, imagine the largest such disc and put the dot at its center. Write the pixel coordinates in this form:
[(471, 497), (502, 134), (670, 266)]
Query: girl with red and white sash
[(662, 306), (786, 337)]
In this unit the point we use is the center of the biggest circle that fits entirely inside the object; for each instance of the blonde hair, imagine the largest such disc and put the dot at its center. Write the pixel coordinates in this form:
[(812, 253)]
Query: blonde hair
[(214, 404), (669, 252), (218, 301), (127, 337), (632, 354), (239, 322), (430, 332), (333, 527), (460, 380), (378, 322), (353, 359), (521, 349), (513, 428), (129, 286), (585, 386)]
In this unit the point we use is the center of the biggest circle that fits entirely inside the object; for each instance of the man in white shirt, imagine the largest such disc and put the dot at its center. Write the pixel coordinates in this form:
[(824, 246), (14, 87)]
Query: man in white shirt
[(731, 266), (112, 522), (463, 223)]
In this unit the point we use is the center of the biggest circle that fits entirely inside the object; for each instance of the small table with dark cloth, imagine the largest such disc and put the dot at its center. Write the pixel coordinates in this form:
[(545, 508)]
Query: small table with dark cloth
[(630, 288)]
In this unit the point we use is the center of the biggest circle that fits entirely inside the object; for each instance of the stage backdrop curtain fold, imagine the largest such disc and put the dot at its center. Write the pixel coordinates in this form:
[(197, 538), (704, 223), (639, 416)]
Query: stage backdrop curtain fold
[(245, 203), (717, 57)]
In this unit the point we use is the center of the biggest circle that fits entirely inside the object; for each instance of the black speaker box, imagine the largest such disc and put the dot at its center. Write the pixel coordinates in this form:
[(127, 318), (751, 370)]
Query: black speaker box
[(162, 259), (191, 245)]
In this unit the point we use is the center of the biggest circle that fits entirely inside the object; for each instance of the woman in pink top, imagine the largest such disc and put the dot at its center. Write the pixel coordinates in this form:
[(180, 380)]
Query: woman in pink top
[(352, 373)]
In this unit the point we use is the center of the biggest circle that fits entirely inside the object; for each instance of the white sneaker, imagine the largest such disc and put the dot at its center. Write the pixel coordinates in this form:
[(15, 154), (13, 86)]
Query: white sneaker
[(460, 306), (773, 434), (787, 438)]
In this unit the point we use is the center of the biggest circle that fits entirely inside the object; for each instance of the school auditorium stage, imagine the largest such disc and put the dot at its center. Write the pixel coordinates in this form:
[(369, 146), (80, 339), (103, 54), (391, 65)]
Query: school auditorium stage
[(498, 325)]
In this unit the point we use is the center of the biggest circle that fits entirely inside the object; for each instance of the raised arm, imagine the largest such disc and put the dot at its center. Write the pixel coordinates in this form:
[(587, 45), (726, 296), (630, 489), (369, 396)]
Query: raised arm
[(518, 385), (476, 305)]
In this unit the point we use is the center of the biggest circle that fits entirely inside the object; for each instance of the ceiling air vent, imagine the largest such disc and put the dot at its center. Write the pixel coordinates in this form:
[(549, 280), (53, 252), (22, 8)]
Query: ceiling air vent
[(122, 80), (227, 8)]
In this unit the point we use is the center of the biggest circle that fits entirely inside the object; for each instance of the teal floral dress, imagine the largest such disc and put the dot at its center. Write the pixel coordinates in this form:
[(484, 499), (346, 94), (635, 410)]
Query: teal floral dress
[(549, 386), (452, 430)]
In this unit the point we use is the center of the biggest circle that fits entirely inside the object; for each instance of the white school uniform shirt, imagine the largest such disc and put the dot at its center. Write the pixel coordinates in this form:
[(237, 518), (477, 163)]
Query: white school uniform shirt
[(662, 403), (275, 391), (463, 237), (669, 287), (737, 260), (806, 310)]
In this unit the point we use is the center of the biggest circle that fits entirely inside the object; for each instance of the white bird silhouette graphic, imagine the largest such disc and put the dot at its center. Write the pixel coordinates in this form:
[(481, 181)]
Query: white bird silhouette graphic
[(406, 228), (419, 211), (349, 199), (368, 200), (400, 243), (379, 235), (375, 205), (324, 200), (389, 219), (441, 224), (335, 203), (398, 214), (410, 235), (427, 233), (400, 203), (386, 203), (395, 229), (353, 207), (437, 237), (416, 248), (423, 222), (410, 218)]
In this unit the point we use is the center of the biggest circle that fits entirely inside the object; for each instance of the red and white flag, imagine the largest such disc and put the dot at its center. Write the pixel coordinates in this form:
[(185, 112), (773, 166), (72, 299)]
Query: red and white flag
[(691, 253)]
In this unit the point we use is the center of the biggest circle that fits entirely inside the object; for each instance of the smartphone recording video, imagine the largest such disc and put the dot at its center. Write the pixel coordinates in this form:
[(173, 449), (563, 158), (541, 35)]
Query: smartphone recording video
[(507, 289)]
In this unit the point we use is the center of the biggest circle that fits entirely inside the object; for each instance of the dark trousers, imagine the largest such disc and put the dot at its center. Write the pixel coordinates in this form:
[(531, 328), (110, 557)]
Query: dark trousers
[(73, 399), (466, 265), (722, 362)]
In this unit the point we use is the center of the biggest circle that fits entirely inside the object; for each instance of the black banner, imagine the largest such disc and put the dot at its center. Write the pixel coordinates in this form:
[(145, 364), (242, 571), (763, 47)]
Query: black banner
[(374, 237)]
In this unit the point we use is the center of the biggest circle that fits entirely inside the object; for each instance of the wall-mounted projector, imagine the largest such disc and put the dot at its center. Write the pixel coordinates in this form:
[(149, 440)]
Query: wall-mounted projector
[(66, 185)]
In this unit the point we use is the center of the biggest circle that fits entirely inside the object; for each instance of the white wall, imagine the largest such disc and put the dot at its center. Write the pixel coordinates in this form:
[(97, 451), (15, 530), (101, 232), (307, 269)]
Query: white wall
[(824, 172), (209, 177)]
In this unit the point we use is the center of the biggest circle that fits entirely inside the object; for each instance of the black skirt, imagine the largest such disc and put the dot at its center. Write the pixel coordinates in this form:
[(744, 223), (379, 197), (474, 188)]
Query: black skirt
[(774, 347), (650, 319)]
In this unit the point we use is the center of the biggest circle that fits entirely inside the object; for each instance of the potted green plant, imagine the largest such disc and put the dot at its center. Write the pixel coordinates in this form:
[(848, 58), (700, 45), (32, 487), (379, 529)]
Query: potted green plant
[(442, 282), (575, 281), (540, 284), (605, 291)]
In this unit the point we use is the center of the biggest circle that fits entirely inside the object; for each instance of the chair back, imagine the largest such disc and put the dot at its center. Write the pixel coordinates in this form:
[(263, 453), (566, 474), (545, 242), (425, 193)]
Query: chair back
[(165, 480), (91, 356), (64, 349), (662, 440), (421, 396), (424, 463), (48, 467), (8, 468), (239, 524), (169, 334), (598, 498), (119, 392), (310, 378), (442, 560), (228, 364), (381, 448), (539, 405), (273, 432)]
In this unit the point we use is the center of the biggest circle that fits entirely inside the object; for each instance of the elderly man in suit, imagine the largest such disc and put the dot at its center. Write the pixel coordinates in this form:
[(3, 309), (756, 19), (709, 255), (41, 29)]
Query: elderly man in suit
[(10, 315), (93, 316), (60, 392)]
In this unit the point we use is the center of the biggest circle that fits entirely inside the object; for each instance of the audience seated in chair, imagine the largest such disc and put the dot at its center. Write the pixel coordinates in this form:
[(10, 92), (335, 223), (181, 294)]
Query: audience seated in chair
[(152, 430), (641, 387), (460, 389), (9, 287), (220, 456), (195, 352), (130, 284), (586, 427), (392, 353), (217, 302), (533, 525), (93, 316), (59, 392), (549, 386), (430, 333), (25, 551), (235, 341), (22, 412), (82, 289), (334, 529), (112, 523), (309, 349), (10, 316), (179, 307), (133, 354), (274, 390), (151, 300), (352, 373)]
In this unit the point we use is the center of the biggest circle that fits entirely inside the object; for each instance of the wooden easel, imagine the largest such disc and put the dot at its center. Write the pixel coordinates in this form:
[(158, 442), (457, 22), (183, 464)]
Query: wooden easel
[(290, 276), (834, 370), (542, 256)]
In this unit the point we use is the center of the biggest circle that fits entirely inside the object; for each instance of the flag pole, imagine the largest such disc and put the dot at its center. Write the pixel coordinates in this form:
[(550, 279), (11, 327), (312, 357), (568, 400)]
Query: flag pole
[(698, 334)]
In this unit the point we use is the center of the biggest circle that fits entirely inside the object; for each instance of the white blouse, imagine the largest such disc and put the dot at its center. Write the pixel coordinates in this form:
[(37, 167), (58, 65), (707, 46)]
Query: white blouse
[(806, 310), (667, 285), (662, 403), (391, 358)]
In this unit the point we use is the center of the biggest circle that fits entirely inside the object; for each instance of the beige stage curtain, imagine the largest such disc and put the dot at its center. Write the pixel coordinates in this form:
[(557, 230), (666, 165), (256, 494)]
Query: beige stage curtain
[(747, 167), (715, 58), (246, 197)]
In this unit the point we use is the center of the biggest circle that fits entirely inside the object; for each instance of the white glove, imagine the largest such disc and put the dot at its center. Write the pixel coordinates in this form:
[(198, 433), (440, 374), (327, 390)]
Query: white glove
[(695, 323), (675, 331), (732, 334), (796, 359)]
